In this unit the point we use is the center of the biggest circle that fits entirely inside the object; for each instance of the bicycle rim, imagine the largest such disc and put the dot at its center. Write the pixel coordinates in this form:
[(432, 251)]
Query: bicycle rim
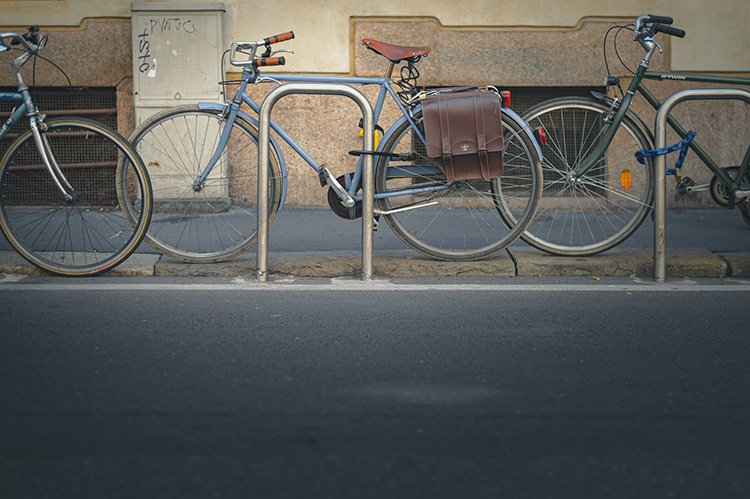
[(591, 213), (469, 219), (214, 221), (90, 233)]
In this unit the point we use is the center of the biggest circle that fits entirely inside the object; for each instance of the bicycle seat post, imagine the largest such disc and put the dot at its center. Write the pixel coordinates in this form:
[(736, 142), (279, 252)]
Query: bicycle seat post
[(389, 69)]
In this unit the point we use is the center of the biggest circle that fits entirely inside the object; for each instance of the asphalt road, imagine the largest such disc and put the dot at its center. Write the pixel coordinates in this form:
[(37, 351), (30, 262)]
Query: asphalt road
[(494, 388)]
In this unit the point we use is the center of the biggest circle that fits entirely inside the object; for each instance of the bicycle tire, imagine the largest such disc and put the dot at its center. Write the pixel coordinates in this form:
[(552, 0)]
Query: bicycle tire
[(91, 233), (219, 221), (591, 214), (473, 219)]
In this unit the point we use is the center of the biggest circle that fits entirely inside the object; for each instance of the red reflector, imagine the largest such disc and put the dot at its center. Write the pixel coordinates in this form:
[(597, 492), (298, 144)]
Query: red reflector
[(505, 94), (542, 136)]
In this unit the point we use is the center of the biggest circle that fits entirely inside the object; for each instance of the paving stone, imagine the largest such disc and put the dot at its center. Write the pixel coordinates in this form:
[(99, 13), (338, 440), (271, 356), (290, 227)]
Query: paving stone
[(738, 262), (138, 264), (12, 263), (680, 263)]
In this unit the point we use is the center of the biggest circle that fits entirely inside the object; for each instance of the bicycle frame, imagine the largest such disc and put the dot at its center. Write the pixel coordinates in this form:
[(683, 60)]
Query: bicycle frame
[(675, 125), (232, 110), (17, 113), (637, 85)]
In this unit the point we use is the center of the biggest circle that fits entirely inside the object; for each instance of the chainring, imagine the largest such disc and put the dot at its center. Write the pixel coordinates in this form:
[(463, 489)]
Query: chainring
[(718, 189), (334, 201)]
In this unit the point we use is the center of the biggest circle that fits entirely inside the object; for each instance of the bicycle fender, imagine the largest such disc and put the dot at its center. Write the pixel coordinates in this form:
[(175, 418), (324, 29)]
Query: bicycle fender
[(217, 106), (526, 129), (389, 132), (508, 112)]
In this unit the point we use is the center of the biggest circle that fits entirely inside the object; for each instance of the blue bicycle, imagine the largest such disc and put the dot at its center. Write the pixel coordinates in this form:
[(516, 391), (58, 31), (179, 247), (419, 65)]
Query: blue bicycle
[(203, 164), (75, 198)]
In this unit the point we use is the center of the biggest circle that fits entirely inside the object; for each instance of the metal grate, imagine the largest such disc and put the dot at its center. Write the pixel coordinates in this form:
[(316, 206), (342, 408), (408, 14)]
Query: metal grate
[(523, 98), (96, 103), (89, 163)]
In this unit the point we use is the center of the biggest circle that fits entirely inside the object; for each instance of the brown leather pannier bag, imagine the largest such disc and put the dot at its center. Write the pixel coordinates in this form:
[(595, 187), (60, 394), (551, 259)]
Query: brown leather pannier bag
[(464, 134)]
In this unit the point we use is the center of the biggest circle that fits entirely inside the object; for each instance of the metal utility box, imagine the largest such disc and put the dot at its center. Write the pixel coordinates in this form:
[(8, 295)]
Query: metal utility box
[(177, 51)]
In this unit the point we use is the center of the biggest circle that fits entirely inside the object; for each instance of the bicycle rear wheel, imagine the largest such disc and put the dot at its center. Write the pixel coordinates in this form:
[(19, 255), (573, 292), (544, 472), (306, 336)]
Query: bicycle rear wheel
[(217, 220), (92, 232), (468, 220), (595, 212)]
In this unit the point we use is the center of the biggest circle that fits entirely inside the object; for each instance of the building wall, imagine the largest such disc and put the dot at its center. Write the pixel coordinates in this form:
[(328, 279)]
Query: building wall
[(532, 43), (717, 40)]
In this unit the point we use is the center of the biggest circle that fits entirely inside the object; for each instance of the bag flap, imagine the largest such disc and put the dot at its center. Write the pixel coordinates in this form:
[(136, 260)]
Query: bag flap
[(462, 123)]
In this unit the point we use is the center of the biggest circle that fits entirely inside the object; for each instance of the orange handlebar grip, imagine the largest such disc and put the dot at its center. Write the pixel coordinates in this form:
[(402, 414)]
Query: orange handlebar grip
[(279, 38), (270, 61)]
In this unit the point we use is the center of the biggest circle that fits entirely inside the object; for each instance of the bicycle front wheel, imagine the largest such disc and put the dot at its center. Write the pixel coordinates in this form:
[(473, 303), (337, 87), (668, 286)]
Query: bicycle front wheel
[(90, 231), (466, 220), (215, 220), (593, 212)]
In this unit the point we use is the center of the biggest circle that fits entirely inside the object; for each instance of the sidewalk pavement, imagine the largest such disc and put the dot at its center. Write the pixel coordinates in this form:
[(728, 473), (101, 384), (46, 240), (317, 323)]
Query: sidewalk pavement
[(313, 242)]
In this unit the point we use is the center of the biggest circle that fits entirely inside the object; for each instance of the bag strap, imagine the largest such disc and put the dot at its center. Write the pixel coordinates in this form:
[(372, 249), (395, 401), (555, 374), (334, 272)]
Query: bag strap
[(447, 155), (484, 161)]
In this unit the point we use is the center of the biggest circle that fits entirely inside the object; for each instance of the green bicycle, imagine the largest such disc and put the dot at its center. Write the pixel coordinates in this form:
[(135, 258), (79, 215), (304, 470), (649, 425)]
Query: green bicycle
[(595, 194)]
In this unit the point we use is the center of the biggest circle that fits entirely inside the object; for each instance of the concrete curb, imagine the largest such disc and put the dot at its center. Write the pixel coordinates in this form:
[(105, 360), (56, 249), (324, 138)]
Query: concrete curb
[(688, 262), (136, 265), (738, 263), (684, 262)]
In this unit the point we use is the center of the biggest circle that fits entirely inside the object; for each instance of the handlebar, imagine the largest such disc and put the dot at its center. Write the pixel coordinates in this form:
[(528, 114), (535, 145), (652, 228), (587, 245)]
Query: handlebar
[(269, 61), (289, 35), (648, 26), (659, 19), (31, 41), (669, 30), (249, 49)]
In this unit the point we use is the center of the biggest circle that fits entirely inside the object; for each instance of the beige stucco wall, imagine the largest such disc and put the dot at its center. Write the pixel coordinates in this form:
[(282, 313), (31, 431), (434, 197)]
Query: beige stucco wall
[(718, 38), (534, 43)]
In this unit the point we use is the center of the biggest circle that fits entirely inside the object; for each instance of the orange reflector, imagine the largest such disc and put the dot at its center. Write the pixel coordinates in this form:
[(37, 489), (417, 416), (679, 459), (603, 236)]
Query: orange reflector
[(626, 179)]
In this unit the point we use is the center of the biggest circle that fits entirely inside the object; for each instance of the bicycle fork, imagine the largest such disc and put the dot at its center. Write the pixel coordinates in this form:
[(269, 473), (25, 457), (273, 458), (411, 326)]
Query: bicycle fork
[(45, 151)]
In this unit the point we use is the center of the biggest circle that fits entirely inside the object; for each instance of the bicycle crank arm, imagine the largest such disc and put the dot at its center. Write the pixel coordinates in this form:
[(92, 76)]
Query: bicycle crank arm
[(699, 188), (346, 199), (408, 207)]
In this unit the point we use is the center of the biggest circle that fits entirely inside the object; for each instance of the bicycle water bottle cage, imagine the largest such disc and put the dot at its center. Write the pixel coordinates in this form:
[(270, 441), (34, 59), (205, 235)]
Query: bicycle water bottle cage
[(681, 146)]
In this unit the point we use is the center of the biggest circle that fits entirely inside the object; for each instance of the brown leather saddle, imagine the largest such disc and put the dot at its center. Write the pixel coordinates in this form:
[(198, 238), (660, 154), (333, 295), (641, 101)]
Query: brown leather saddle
[(394, 53)]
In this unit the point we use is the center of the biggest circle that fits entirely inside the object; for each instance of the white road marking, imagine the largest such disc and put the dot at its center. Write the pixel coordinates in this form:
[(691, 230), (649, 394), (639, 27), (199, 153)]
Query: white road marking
[(4, 278), (381, 285)]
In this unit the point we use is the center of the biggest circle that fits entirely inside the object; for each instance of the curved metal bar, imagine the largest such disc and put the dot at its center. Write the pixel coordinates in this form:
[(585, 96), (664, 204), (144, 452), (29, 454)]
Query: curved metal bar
[(660, 185), (218, 106), (368, 184)]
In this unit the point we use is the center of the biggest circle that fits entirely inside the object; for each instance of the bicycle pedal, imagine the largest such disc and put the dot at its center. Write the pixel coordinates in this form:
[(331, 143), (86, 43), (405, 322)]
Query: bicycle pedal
[(684, 185)]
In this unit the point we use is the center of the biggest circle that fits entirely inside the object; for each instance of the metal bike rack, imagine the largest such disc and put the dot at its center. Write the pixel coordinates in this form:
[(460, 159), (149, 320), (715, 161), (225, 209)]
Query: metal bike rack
[(368, 187), (660, 184)]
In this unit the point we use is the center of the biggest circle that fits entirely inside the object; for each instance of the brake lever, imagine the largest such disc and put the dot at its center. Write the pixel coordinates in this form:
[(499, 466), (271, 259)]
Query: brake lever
[(650, 39), (281, 51)]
